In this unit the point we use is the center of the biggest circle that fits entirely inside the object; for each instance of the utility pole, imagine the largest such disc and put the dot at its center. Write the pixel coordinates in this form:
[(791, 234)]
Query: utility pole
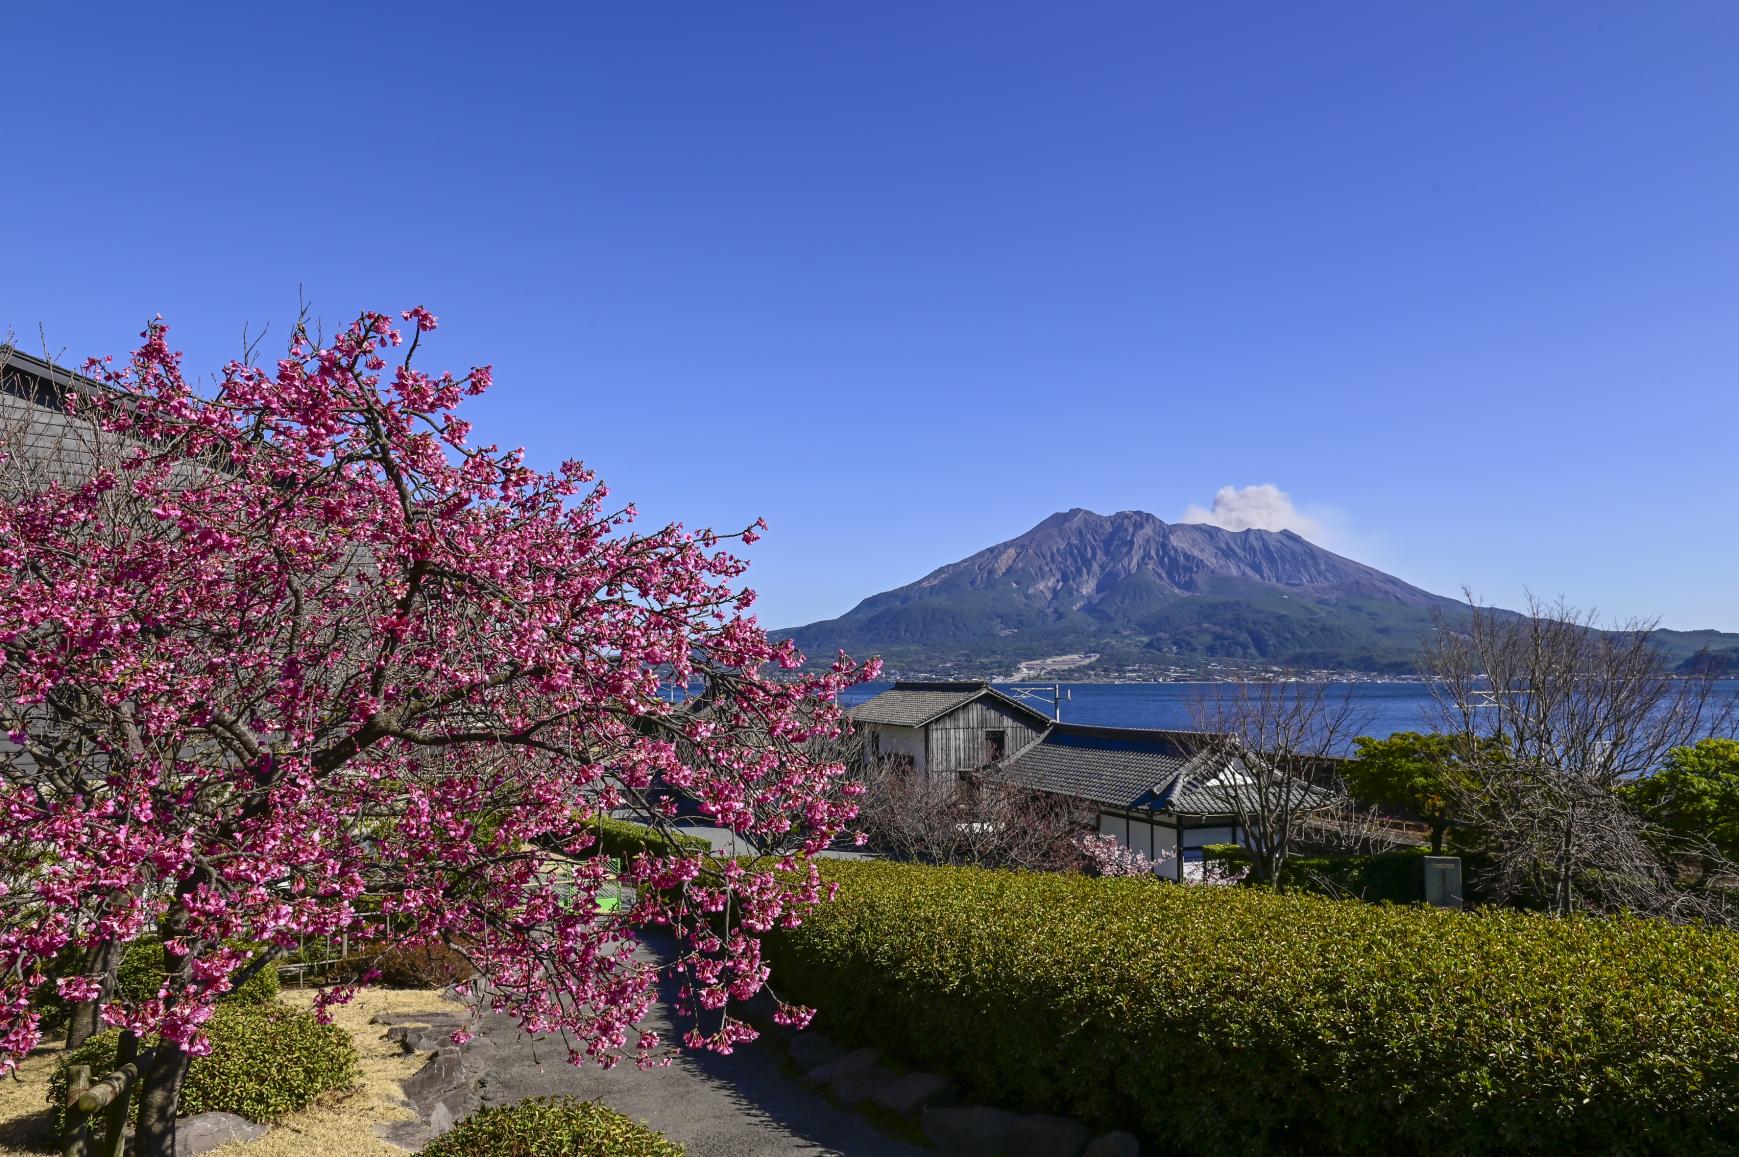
[(1052, 695)]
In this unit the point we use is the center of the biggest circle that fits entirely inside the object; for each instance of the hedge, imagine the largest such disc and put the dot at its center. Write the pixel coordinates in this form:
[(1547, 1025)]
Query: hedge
[(625, 840), (1234, 1021), (550, 1127), (1397, 877), (266, 1061)]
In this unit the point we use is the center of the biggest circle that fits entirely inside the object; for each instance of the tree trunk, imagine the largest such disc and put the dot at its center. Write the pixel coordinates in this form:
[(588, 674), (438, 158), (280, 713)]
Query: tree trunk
[(102, 960), (159, 1099)]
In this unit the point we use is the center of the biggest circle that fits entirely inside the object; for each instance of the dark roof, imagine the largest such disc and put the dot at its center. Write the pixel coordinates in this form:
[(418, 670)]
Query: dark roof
[(1124, 767), (38, 382), (1138, 769), (915, 704)]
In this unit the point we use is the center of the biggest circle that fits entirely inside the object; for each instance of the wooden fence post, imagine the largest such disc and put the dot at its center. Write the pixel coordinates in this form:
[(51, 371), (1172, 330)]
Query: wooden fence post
[(75, 1138)]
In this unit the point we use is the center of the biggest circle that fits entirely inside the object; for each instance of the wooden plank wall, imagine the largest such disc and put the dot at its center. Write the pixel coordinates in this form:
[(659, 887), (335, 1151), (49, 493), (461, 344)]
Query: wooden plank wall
[(957, 739)]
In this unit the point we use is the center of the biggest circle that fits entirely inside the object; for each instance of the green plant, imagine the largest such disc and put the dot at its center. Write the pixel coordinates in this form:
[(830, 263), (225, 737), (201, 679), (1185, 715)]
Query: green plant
[(550, 1127), (424, 966), (139, 977), (1695, 793), (1423, 773), (266, 1061), (1234, 1020), (624, 840), (142, 974)]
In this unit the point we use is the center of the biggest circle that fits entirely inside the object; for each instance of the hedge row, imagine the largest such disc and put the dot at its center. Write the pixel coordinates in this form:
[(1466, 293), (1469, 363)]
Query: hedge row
[(1398, 877), (551, 1127), (625, 840), (267, 1060), (1234, 1021)]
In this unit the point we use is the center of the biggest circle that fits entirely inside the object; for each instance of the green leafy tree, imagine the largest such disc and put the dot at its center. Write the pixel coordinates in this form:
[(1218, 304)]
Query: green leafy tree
[(1696, 793), (1423, 774)]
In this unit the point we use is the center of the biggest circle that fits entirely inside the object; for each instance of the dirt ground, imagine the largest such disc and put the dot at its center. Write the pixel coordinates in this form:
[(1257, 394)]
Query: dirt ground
[(342, 1124)]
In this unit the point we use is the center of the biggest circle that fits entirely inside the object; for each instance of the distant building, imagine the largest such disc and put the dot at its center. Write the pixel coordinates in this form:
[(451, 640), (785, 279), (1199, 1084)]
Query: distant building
[(1165, 794)]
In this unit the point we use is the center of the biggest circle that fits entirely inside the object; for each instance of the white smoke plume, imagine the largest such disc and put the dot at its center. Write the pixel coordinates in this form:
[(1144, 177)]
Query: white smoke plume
[(1262, 507)]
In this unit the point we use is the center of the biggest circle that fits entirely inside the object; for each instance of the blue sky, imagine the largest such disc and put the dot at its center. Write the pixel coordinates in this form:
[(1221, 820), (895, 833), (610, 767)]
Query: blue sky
[(905, 278)]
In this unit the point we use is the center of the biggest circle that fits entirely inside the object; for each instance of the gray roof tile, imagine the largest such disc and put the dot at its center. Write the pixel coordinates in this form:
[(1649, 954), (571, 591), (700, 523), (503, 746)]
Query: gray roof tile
[(915, 704), (1137, 769)]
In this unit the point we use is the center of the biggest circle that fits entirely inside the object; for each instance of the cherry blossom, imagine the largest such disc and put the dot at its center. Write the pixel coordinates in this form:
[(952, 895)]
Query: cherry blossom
[(289, 658)]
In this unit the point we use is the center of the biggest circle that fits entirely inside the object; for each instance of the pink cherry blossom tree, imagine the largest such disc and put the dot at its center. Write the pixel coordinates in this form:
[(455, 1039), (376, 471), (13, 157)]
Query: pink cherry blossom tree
[(290, 657)]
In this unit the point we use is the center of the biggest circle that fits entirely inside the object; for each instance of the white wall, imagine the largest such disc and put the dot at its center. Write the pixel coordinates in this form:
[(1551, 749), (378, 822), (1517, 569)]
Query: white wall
[(1202, 837), (1160, 842), (907, 741)]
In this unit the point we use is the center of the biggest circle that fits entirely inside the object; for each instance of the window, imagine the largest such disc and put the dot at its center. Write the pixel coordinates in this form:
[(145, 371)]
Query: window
[(994, 744)]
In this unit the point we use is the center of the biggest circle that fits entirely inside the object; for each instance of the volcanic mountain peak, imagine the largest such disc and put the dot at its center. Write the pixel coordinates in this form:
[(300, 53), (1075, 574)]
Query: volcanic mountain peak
[(1074, 556)]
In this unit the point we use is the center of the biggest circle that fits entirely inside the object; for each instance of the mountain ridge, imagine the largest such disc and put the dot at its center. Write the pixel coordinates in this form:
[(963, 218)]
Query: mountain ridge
[(1152, 599)]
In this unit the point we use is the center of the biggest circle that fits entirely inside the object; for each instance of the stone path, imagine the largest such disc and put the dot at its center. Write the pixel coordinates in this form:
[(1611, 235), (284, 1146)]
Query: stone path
[(743, 1105)]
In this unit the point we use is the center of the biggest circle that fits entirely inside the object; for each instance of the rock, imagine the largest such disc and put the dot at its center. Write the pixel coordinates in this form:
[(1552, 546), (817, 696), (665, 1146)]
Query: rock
[(436, 1079), (1042, 1135), (1116, 1143), (864, 1084), (421, 1040), (207, 1131), (978, 1131), (811, 1049), (441, 1092), (421, 1019), (851, 1062), (910, 1094)]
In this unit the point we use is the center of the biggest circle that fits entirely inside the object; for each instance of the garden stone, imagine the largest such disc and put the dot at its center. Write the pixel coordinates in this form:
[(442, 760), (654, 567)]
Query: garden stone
[(978, 1131), (866, 1084), (440, 1076), (204, 1132), (811, 1050), (414, 1040), (850, 1063), (910, 1094), (420, 1019), (1042, 1135), (1114, 1144)]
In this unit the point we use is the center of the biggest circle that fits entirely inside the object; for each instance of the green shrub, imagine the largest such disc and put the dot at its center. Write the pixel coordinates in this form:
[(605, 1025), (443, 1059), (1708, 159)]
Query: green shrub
[(267, 1060), (1235, 1021), (142, 973), (1392, 877), (550, 1127), (625, 840), (139, 978)]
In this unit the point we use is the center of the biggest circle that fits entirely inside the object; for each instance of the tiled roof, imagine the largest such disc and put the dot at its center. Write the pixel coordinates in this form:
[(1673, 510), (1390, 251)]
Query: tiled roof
[(1137, 769), (1122, 767), (915, 704)]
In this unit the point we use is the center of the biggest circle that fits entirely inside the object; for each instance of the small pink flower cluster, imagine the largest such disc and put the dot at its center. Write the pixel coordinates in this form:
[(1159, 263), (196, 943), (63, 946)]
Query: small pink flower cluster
[(1110, 857)]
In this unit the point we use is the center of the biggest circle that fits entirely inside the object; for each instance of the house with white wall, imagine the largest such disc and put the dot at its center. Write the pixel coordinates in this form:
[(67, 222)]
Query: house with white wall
[(1166, 794)]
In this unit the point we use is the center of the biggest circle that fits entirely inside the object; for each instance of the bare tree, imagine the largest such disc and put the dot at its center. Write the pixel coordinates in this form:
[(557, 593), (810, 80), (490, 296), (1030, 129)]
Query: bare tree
[(981, 821), (1273, 747), (1555, 712)]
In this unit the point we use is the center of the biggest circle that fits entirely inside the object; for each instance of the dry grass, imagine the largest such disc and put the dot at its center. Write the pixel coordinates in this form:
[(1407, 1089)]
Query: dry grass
[(342, 1124), (26, 1127)]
